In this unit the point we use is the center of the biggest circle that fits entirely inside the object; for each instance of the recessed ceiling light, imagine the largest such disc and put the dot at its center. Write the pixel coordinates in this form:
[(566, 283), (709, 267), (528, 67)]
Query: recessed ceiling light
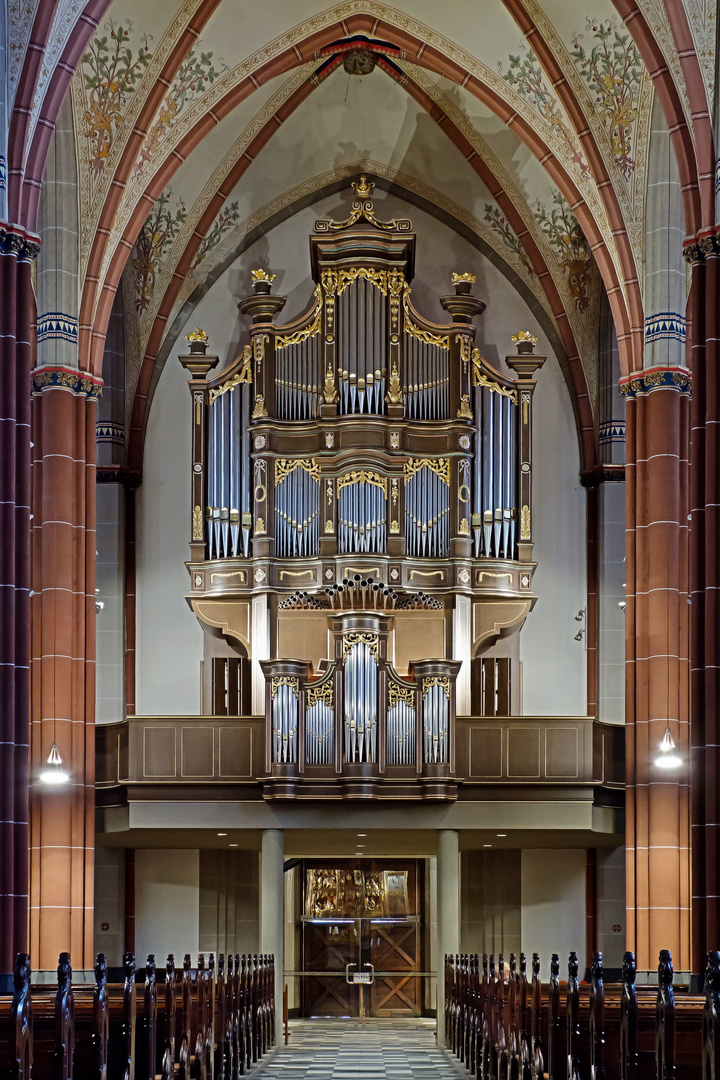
[(362, 834), (222, 834), (233, 845), (487, 845), (501, 834)]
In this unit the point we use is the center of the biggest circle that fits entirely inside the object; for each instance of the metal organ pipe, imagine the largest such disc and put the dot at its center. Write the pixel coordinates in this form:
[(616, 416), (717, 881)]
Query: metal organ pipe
[(228, 513), (362, 329), (297, 379), (436, 710), (362, 511), (285, 722), (494, 475), (401, 731), (427, 511), (360, 703), (297, 513), (427, 386), (319, 733)]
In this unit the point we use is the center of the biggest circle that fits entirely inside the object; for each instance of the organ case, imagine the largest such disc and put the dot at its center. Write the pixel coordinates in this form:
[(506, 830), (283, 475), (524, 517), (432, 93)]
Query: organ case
[(363, 440)]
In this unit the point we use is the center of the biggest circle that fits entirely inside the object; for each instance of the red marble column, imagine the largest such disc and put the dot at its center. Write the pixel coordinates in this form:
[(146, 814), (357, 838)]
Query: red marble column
[(704, 324), (63, 664), (17, 316), (657, 669)]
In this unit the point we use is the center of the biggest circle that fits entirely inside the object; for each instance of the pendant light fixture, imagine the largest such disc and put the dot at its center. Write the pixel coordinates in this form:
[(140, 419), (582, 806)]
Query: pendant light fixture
[(54, 774), (667, 757)]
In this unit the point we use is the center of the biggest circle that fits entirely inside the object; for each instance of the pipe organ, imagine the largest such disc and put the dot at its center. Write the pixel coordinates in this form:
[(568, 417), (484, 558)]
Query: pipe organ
[(358, 719), (360, 437)]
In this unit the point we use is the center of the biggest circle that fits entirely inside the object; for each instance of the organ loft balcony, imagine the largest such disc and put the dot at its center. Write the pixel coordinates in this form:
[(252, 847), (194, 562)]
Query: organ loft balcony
[(361, 549)]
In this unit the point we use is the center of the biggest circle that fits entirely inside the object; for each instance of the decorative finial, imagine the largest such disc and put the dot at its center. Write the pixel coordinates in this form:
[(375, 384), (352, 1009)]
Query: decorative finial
[(524, 335), (262, 275), (458, 279), (362, 188), (196, 335)]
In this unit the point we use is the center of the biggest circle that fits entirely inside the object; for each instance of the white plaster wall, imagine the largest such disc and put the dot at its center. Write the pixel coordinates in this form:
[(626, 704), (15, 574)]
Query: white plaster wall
[(167, 904), (110, 620), (554, 663), (109, 908), (552, 893), (168, 637)]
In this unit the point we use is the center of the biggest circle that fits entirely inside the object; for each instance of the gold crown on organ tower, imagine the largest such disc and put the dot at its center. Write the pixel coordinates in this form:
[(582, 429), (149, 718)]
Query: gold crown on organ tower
[(360, 443)]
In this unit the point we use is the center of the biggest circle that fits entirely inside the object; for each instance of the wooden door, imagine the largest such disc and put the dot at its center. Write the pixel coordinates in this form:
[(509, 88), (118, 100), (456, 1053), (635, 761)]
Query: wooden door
[(396, 947), (328, 948)]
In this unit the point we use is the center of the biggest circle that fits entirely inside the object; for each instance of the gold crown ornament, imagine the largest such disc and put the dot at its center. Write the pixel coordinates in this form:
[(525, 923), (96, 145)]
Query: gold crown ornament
[(262, 275), (197, 335), (457, 279), (524, 335)]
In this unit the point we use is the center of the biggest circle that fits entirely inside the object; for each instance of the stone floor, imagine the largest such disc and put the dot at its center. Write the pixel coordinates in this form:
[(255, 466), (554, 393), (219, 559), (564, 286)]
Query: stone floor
[(347, 1050)]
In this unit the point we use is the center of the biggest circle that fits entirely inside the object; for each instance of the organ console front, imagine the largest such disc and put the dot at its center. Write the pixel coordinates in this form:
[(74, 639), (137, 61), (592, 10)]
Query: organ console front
[(361, 486)]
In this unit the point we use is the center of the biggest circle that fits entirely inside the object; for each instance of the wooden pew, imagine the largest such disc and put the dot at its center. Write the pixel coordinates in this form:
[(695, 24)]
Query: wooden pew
[(711, 1019), (131, 1032), (16, 1032)]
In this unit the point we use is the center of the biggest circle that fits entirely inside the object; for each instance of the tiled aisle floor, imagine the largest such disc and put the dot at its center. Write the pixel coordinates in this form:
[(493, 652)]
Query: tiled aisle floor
[(345, 1050)]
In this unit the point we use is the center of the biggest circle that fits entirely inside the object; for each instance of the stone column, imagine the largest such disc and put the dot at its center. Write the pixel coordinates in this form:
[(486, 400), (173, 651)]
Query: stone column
[(448, 914), (16, 352), (272, 905), (704, 256), (64, 417), (657, 669)]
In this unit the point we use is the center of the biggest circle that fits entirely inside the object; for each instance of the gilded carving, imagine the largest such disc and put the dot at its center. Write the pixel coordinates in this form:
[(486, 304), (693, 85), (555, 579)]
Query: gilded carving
[(330, 389), (240, 377), (464, 527), (465, 412), (262, 276), (285, 466), (525, 522), (259, 412), (363, 208), (398, 693), (411, 327), (394, 395), (309, 331), (479, 378), (439, 466), (378, 278), (362, 476), (284, 680), (436, 680), (360, 638), (197, 523), (320, 693)]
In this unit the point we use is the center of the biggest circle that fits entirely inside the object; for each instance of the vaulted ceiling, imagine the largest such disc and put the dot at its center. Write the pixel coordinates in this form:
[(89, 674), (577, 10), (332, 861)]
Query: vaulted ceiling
[(527, 123)]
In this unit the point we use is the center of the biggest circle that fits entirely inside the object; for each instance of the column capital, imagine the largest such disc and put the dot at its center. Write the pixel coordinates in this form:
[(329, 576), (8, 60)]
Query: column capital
[(641, 383), (79, 383)]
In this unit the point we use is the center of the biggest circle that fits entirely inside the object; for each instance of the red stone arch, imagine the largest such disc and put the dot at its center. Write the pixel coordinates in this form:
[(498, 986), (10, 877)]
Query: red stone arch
[(98, 297)]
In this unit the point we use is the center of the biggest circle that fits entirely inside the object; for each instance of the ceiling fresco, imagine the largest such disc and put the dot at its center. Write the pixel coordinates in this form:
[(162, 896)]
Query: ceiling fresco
[(528, 124)]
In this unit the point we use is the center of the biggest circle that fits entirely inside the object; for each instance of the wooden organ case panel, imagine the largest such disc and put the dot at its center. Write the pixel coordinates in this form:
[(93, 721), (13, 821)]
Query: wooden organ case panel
[(361, 458)]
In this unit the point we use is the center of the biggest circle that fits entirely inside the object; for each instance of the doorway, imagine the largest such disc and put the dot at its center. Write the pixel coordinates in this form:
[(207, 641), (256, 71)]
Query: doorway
[(362, 916)]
